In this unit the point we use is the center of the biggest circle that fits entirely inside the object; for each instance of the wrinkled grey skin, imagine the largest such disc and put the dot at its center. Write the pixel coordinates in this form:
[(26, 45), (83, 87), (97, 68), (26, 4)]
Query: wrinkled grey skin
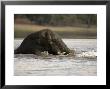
[(44, 40)]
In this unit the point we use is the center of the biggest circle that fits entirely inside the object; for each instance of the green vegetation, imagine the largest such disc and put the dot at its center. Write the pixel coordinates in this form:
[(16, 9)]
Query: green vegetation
[(60, 19), (66, 25)]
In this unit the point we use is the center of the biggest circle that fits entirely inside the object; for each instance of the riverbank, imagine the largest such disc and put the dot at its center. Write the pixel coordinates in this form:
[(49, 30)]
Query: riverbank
[(22, 30)]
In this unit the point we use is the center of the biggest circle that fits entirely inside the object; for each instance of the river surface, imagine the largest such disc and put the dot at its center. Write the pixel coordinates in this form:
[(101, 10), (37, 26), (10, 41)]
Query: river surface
[(84, 63)]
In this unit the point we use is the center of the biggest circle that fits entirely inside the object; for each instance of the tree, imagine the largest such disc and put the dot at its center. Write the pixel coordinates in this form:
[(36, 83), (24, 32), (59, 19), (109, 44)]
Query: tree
[(60, 19)]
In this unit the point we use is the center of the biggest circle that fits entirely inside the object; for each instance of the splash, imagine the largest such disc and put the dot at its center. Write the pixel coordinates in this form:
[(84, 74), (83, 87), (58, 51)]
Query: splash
[(88, 54)]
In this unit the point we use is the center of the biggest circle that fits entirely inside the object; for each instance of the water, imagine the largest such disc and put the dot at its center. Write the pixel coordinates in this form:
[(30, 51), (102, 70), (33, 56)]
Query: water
[(83, 64)]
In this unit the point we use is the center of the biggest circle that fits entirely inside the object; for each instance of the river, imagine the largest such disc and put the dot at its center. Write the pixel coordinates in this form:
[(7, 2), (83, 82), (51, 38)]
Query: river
[(84, 63)]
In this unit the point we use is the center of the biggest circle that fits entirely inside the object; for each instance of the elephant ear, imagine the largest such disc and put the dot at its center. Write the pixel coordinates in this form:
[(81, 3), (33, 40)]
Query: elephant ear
[(48, 35)]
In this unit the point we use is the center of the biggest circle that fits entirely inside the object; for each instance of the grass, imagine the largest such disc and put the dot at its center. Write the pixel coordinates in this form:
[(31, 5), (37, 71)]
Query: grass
[(22, 30)]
